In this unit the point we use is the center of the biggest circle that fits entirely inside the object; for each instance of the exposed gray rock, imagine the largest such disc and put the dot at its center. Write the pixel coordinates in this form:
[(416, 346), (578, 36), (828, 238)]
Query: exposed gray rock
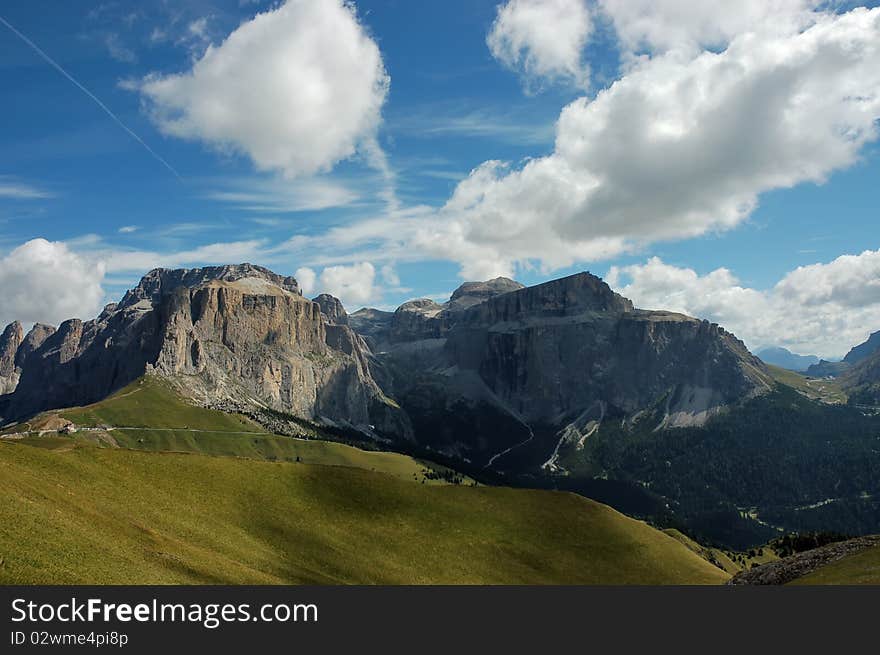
[(544, 357), (332, 309), (474, 293), (10, 341), (424, 318), (370, 322), (417, 319), (229, 332), (797, 566)]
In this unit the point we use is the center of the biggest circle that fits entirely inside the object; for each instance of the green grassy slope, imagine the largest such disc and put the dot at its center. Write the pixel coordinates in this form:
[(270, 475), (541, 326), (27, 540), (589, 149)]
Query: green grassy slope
[(859, 569), (99, 515), (150, 402), (149, 415), (729, 561)]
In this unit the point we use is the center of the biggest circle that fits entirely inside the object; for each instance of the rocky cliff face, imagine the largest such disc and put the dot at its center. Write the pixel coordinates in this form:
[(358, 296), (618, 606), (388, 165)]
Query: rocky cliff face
[(517, 369), (426, 319), (10, 341), (235, 334), (15, 350)]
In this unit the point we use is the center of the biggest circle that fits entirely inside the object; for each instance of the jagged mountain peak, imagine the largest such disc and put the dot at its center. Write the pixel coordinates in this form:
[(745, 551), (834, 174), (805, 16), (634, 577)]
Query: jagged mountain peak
[(12, 329), (10, 341)]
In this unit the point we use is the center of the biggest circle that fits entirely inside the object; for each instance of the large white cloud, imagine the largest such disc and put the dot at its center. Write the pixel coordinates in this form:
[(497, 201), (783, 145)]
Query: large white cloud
[(851, 281), (822, 309), (297, 89), (659, 25), (543, 39), (682, 144), (43, 281), (354, 285)]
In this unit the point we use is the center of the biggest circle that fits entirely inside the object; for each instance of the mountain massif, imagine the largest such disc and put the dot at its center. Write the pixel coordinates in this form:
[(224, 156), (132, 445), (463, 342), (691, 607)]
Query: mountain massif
[(236, 334), (563, 385), (561, 354)]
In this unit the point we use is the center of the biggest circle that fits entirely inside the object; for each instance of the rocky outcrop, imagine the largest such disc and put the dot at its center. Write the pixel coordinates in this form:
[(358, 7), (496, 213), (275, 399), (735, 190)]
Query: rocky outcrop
[(240, 333), (332, 309), (796, 566), (10, 341), (15, 350)]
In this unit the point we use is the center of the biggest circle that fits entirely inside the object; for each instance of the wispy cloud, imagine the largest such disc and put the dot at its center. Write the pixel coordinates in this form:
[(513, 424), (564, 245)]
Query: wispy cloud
[(11, 187), (474, 123), (276, 195)]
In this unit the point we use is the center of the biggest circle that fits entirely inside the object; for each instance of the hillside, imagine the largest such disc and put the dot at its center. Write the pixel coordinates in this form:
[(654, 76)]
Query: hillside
[(150, 415), (76, 513), (780, 463)]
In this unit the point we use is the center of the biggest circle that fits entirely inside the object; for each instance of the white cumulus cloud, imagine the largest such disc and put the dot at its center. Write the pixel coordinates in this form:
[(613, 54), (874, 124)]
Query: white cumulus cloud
[(682, 144), (659, 25), (543, 39), (46, 282), (297, 89), (354, 285), (306, 277), (822, 309)]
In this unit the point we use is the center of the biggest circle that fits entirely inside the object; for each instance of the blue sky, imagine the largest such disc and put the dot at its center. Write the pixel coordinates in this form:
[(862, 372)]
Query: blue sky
[(72, 176)]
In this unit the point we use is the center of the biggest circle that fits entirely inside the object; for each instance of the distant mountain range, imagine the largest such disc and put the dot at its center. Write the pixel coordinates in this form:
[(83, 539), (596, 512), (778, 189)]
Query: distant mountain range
[(565, 384), (786, 359)]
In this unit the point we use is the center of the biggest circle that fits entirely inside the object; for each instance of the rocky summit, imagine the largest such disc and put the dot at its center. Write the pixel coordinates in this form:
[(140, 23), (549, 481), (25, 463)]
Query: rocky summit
[(497, 368)]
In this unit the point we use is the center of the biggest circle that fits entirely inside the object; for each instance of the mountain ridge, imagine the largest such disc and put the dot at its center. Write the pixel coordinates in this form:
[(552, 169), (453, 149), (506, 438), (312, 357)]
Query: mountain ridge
[(244, 333)]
